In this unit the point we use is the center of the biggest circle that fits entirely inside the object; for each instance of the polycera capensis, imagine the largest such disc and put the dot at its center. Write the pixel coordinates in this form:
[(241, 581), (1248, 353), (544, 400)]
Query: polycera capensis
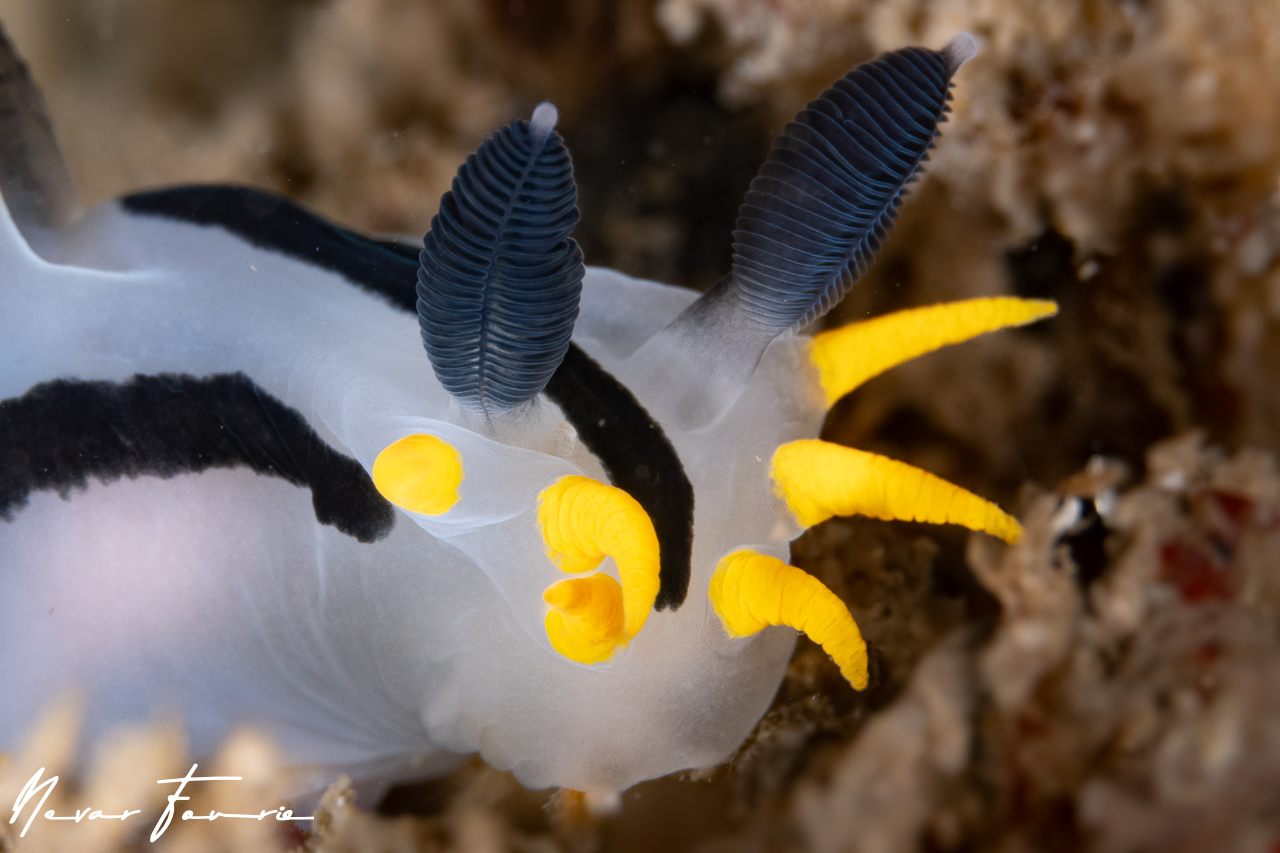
[(231, 481)]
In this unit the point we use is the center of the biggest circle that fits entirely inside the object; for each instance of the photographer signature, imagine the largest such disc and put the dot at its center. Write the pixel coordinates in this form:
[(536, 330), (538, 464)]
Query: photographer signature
[(35, 787)]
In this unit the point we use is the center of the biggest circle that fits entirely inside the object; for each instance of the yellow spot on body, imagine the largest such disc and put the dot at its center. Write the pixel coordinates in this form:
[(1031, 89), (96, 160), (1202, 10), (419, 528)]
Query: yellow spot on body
[(583, 521), (819, 480), (751, 591), (419, 473), (848, 356)]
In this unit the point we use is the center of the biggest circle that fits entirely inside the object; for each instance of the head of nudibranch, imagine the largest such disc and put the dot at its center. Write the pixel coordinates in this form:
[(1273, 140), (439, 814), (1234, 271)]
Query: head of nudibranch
[(630, 483)]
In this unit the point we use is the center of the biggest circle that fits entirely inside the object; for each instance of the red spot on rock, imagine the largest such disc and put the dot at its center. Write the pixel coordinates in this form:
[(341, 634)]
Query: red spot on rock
[(1196, 575), (291, 836), (1208, 653), (1235, 507)]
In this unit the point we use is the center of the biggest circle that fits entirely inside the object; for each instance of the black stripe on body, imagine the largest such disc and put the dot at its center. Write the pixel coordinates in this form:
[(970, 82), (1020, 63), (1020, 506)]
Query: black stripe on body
[(610, 421), (638, 457), (61, 433), (270, 222)]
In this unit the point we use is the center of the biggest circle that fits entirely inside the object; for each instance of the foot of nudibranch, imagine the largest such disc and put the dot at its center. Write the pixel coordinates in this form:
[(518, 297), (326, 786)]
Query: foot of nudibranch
[(601, 803), (575, 810)]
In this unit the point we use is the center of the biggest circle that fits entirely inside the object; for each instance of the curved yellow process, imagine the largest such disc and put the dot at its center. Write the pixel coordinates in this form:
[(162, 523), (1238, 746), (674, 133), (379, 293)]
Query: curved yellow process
[(582, 522), (419, 473), (819, 480), (750, 591), (848, 356), (585, 622)]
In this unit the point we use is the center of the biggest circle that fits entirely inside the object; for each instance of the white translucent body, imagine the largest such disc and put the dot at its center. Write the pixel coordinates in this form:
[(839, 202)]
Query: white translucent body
[(219, 596)]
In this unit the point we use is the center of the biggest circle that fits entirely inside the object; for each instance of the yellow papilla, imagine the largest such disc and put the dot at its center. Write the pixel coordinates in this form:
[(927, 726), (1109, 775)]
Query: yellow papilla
[(585, 621), (750, 591), (848, 356), (419, 473), (582, 522), (819, 480)]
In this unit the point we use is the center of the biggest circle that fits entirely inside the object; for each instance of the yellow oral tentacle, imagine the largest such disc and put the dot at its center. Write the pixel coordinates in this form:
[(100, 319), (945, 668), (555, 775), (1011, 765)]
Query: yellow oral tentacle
[(819, 480), (750, 591), (585, 622), (848, 356), (419, 473), (582, 522)]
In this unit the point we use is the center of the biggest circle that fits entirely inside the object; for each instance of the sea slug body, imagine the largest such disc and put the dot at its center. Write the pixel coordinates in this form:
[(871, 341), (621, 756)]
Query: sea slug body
[(396, 507)]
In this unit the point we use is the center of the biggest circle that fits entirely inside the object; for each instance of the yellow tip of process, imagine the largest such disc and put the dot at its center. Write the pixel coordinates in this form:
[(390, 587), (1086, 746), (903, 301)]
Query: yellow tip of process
[(585, 623), (582, 522), (419, 473), (849, 356), (819, 480), (750, 591)]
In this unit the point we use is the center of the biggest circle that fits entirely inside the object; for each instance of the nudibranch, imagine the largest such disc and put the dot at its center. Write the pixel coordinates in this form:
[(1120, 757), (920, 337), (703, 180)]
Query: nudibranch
[(233, 484)]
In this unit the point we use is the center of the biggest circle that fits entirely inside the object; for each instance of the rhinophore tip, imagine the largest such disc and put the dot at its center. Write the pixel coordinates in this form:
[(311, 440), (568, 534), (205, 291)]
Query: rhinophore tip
[(958, 51), (545, 115)]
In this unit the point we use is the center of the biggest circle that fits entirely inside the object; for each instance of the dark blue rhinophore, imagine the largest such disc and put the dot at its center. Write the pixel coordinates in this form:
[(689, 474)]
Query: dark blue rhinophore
[(501, 278), (825, 199)]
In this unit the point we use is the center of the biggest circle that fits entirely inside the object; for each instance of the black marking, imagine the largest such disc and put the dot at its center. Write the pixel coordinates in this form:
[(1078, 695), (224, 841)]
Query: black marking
[(60, 433), (1087, 540), (277, 224), (638, 457), (631, 446)]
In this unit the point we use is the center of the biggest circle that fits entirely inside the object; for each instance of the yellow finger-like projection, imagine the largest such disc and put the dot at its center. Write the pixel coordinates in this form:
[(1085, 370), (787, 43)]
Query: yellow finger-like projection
[(419, 473), (750, 591), (819, 480), (583, 521), (848, 356), (586, 622)]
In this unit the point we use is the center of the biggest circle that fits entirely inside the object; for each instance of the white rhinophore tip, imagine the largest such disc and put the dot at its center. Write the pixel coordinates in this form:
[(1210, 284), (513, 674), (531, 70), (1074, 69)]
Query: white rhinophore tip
[(960, 50), (543, 121)]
